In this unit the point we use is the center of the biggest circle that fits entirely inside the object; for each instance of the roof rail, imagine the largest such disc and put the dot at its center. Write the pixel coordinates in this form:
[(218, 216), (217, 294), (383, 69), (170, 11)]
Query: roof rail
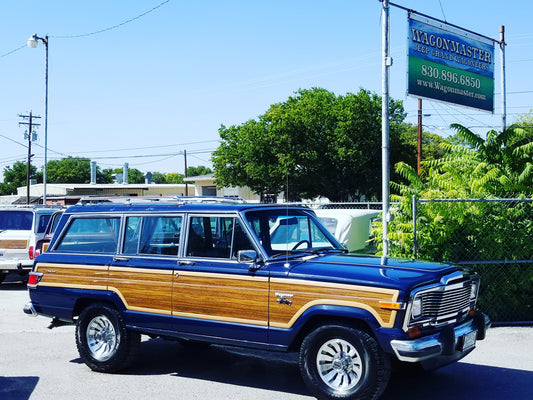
[(159, 199)]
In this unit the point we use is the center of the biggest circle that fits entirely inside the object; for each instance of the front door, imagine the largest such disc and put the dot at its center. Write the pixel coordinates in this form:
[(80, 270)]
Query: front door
[(213, 294)]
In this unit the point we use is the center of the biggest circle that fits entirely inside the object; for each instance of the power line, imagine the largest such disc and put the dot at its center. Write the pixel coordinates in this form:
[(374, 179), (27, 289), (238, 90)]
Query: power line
[(112, 27), (12, 51), (95, 32)]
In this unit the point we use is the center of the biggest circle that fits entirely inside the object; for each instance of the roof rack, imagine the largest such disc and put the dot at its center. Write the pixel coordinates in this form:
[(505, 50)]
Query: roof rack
[(159, 199)]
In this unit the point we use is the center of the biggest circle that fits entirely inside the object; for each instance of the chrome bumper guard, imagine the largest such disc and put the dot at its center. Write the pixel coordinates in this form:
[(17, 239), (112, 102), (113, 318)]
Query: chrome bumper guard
[(453, 342), (29, 309)]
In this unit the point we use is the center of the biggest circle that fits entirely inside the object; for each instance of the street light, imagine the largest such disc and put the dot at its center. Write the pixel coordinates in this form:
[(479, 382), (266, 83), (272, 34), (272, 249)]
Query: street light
[(33, 42)]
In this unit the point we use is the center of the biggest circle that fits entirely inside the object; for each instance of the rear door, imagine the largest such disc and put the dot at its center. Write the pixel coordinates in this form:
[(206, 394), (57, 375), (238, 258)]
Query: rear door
[(213, 294), (141, 273)]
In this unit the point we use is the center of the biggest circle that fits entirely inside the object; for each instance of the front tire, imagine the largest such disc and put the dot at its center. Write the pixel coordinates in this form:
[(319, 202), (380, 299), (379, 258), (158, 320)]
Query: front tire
[(340, 362), (103, 341)]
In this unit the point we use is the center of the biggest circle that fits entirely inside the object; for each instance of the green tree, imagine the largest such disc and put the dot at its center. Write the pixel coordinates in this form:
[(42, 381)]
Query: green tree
[(175, 178), (15, 177), (69, 170), (433, 145), (497, 166), (158, 177), (106, 176), (135, 176), (315, 143), (198, 171)]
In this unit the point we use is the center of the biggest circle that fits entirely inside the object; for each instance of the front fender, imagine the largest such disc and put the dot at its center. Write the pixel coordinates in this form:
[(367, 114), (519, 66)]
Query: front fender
[(283, 338)]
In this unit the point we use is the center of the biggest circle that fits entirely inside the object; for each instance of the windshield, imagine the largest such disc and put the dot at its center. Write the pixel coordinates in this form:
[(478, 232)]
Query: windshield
[(289, 231), (16, 220)]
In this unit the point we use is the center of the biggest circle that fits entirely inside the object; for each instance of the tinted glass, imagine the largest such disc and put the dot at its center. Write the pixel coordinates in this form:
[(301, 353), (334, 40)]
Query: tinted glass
[(43, 223), (16, 220), (216, 237), (158, 234), (91, 235)]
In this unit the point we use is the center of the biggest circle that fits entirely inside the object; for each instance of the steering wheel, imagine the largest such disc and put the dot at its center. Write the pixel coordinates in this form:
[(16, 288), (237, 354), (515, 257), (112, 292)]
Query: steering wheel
[(300, 243)]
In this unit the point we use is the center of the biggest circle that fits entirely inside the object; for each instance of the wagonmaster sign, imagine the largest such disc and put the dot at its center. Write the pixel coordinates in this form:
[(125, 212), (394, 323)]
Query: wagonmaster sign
[(450, 65)]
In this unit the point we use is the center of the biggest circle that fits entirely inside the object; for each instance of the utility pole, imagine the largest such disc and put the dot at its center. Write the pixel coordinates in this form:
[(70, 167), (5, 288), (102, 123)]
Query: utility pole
[(502, 56), (30, 136), (186, 183), (419, 139)]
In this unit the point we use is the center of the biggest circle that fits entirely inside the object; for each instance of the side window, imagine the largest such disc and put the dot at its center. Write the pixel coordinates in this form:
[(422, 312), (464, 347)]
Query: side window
[(216, 237), (158, 234), (132, 235), (43, 223), (91, 235)]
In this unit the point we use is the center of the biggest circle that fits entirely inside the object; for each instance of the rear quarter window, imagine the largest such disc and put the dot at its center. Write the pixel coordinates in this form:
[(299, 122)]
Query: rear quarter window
[(90, 235)]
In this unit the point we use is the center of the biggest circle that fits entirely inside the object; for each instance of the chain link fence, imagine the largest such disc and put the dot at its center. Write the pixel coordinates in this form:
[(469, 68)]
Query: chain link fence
[(494, 237)]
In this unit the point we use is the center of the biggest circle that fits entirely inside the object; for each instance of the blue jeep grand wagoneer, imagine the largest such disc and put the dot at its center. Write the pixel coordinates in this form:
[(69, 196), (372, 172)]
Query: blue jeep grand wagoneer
[(261, 276)]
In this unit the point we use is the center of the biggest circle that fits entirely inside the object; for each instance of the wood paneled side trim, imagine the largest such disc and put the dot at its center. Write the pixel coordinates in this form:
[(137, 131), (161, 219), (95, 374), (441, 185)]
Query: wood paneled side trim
[(136, 308), (345, 286), (320, 302), (141, 270), (39, 266), (222, 276), (305, 294), (73, 286), (220, 319), (13, 244)]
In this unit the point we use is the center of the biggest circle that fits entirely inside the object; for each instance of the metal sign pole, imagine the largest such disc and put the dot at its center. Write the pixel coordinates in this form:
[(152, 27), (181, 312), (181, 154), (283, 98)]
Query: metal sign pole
[(387, 62)]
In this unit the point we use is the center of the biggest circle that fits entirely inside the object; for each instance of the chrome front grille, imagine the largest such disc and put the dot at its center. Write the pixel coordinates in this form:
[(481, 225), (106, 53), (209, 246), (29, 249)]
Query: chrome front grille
[(444, 303)]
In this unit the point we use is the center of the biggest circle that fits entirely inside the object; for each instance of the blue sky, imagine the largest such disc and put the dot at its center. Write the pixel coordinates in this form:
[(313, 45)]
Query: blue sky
[(142, 90)]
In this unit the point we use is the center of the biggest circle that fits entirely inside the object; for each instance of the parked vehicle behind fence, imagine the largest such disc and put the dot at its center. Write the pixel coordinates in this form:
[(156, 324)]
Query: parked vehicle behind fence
[(351, 227), (261, 276)]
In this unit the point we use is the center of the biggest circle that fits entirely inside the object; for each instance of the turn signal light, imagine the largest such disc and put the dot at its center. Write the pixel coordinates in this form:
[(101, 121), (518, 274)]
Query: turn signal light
[(391, 305), (414, 332)]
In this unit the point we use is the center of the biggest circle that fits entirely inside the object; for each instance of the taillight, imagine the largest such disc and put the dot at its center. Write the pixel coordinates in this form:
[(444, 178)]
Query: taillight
[(34, 278), (31, 253)]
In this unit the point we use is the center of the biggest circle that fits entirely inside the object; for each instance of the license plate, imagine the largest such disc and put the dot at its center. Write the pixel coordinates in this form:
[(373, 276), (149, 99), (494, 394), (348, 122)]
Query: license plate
[(469, 340)]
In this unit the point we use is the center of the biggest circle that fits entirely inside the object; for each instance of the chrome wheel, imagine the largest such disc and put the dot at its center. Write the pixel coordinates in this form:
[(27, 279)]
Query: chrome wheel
[(102, 338), (339, 364)]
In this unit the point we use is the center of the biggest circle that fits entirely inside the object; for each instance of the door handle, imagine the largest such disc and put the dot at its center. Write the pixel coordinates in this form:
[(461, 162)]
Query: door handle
[(118, 259), (186, 262)]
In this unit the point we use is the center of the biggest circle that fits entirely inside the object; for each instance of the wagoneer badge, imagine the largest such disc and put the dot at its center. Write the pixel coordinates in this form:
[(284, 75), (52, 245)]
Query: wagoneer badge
[(284, 298)]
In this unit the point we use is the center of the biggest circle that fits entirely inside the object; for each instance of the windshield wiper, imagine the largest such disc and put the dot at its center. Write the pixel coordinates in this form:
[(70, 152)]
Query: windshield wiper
[(328, 250), (299, 253)]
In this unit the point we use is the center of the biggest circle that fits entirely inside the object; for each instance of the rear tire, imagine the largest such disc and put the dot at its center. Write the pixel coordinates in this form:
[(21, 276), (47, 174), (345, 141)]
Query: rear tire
[(103, 341), (340, 362)]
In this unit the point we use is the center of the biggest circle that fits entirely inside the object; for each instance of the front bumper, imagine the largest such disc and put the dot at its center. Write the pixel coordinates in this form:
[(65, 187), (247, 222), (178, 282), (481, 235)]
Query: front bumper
[(448, 345)]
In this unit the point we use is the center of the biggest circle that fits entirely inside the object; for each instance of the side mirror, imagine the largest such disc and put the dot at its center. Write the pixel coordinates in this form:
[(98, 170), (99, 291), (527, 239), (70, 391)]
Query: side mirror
[(248, 257)]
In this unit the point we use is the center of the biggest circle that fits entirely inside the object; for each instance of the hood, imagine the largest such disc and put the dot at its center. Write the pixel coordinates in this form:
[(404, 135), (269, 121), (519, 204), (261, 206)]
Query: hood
[(371, 271)]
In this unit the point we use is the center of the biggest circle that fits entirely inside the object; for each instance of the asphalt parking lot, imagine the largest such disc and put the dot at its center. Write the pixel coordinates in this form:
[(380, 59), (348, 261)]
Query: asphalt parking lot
[(38, 363)]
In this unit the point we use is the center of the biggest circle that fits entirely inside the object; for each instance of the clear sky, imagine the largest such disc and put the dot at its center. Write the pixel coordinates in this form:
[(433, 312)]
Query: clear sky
[(142, 81)]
